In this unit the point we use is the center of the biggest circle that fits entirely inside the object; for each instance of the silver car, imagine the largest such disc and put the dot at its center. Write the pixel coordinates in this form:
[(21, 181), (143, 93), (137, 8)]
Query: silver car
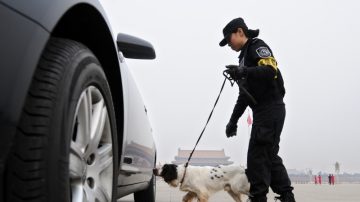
[(73, 126)]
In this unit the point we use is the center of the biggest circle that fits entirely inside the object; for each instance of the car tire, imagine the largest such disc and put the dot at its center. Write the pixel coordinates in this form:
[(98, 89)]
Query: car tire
[(147, 194), (65, 147)]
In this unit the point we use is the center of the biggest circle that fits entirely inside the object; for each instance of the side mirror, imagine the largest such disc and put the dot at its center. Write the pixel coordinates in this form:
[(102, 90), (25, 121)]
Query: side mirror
[(135, 48)]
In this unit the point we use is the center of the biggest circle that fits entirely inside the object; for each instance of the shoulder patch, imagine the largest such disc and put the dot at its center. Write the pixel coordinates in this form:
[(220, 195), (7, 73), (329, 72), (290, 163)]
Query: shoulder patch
[(263, 52)]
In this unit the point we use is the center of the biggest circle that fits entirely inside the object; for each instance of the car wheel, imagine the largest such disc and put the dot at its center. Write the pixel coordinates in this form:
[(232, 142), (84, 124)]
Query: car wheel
[(148, 194), (65, 148)]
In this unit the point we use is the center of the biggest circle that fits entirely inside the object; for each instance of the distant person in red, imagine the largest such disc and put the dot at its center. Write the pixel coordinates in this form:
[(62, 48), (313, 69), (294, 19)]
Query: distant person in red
[(316, 179), (319, 179), (332, 179)]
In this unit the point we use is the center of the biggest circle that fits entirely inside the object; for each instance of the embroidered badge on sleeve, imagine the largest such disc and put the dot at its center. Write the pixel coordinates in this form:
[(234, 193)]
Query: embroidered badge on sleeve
[(263, 52)]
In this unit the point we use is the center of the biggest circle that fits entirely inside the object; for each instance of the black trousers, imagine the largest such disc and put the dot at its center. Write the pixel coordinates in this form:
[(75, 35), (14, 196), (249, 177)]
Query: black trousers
[(264, 166)]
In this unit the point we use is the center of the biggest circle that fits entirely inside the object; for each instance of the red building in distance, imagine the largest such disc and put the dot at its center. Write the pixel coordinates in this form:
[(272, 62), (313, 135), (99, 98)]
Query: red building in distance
[(202, 157)]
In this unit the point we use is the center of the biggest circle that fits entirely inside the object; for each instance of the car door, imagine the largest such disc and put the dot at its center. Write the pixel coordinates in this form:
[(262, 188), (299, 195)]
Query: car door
[(138, 149)]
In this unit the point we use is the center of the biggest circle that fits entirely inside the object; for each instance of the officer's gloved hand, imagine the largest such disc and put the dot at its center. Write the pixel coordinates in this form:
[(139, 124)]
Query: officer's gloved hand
[(235, 71), (231, 129)]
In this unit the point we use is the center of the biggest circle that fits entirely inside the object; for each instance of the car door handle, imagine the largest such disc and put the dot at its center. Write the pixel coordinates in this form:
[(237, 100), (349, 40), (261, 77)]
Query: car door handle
[(129, 170)]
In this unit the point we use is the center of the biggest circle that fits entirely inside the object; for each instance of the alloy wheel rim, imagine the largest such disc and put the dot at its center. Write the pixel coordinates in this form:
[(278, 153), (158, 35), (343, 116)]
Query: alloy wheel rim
[(91, 155)]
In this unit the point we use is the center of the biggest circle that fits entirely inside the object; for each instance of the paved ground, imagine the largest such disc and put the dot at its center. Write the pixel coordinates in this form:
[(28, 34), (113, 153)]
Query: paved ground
[(303, 193)]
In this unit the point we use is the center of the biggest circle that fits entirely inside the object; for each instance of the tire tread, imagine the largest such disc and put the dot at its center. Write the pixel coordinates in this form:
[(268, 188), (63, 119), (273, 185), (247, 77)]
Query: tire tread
[(26, 165)]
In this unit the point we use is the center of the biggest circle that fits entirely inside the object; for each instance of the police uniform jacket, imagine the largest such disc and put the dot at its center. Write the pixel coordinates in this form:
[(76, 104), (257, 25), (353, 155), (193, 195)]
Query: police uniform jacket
[(263, 79)]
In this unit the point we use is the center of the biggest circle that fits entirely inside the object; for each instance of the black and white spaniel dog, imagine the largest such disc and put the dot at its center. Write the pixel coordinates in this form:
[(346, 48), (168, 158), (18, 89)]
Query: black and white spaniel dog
[(201, 182)]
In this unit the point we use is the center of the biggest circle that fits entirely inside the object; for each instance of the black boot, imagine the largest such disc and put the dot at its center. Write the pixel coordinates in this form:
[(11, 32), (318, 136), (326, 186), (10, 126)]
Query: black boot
[(286, 197)]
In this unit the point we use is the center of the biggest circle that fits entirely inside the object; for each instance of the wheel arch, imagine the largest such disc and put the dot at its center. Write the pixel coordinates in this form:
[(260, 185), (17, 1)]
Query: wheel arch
[(85, 24)]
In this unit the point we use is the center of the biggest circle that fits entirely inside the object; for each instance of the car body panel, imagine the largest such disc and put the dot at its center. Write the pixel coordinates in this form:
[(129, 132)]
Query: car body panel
[(47, 13)]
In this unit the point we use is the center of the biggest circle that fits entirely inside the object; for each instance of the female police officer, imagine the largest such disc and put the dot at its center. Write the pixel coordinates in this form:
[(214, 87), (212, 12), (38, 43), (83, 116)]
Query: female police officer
[(258, 73)]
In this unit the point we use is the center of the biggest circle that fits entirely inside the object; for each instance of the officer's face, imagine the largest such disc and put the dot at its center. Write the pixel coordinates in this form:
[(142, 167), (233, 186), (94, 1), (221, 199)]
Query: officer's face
[(237, 40)]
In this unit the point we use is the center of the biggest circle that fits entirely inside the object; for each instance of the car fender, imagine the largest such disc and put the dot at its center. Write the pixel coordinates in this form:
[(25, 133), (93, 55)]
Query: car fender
[(47, 13)]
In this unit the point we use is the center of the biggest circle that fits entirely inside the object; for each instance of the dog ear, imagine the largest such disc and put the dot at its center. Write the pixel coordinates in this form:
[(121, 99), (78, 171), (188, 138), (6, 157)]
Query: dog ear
[(169, 172), (164, 170)]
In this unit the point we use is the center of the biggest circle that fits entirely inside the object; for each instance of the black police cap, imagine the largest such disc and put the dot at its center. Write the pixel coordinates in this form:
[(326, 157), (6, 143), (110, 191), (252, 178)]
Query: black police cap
[(232, 26)]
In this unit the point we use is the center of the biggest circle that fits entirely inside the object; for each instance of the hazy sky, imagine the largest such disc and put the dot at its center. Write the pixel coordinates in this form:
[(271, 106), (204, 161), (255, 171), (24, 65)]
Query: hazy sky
[(316, 44)]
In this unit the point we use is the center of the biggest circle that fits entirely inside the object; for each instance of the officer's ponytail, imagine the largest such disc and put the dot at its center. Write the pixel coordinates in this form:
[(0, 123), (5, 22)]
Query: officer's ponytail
[(252, 33)]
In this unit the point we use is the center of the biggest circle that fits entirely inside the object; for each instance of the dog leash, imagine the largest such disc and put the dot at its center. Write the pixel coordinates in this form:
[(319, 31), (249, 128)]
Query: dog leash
[(202, 132)]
